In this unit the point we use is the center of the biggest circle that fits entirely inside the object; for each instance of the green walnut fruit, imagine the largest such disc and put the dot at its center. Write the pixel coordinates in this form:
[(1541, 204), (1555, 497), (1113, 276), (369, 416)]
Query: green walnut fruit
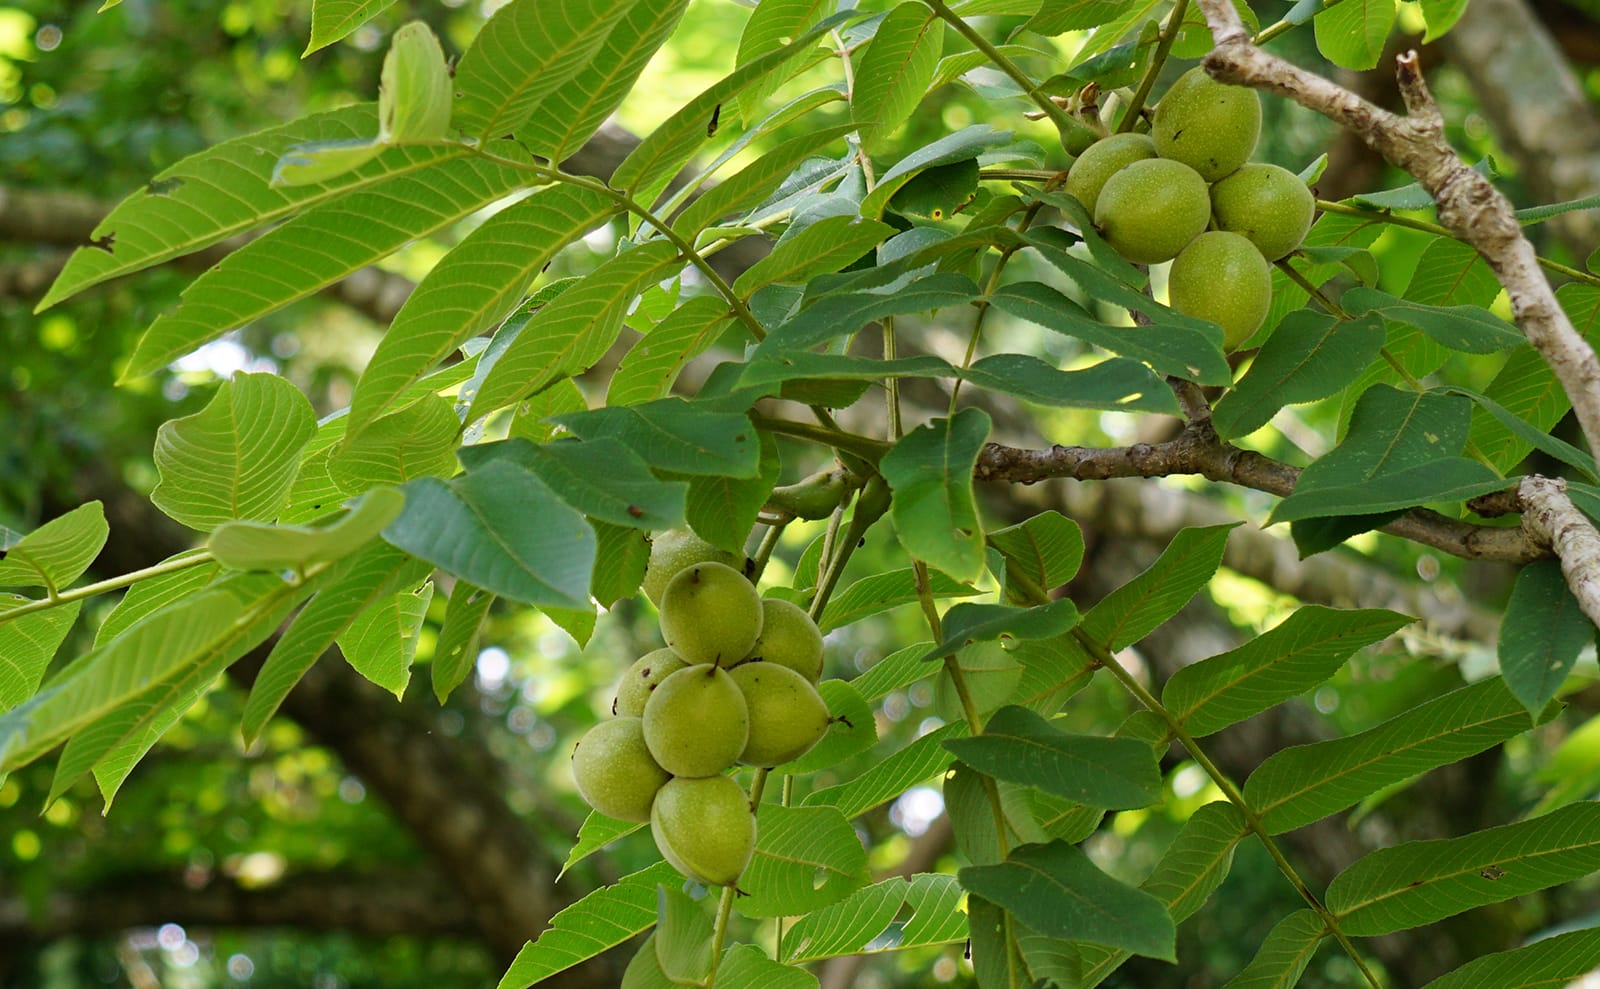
[(710, 613), (641, 680), (1151, 209), (1208, 125), (705, 827), (1267, 204), (696, 722), (615, 771), (674, 549), (789, 638), (787, 715), (1222, 277), (1104, 159)]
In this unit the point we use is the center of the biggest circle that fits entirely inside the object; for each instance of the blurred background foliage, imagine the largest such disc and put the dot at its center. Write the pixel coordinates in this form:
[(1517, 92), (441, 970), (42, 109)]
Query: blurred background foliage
[(93, 104)]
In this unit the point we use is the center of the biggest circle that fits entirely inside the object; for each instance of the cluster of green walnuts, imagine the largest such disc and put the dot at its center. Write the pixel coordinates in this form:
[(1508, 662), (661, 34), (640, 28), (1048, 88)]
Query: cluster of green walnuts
[(1184, 193), (734, 684)]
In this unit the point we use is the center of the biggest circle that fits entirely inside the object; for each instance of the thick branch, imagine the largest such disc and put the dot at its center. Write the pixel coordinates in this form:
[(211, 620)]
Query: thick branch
[(1195, 451), (1550, 518), (416, 904), (1469, 207)]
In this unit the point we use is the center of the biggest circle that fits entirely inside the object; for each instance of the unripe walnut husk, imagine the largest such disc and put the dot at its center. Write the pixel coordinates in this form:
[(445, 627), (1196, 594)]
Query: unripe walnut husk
[(1223, 278), (1150, 210), (705, 828), (788, 638), (674, 549), (787, 715), (710, 613), (642, 678), (1266, 204), (1208, 125), (615, 772), (696, 722)]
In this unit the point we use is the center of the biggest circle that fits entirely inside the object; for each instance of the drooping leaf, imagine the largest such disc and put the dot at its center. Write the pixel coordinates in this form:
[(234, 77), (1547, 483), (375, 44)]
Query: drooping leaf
[(258, 546), (530, 420), (237, 457), (334, 20), (747, 965), (382, 641), (602, 920), (622, 553), (844, 313), (967, 623), (570, 114), (596, 832), (1306, 783), (651, 365), (601, 478), (526, 51), (1138, 607), (503, 529), (1055, 889), (58, 552), (675, 435), (1310, 356), (877, 593), (683, 936), (1419, 882), (1527, 435), (895, 72), (417, 441), (1541, 634), (756, 182), (723, 510), (1020, 746), (930, 473), (225, 190), (1297, 655), (1284, 955), (1183, 350), (571, 332), (456, 651), (1402, 449), (806, 858), (863, 923), (964, 145), (1046, 549), (650, 166), (476, 285), (917, 762), (989, 673), (1053, 669), (1351, 34), (826, 245), (414, 92), (27, 644), (769, 26), (1549, 963), (1440, 16), (1472, 329)]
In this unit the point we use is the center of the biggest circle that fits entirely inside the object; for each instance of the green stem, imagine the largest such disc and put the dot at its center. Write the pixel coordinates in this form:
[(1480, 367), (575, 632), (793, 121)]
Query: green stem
[(719, 933), (1063, 120), (1267, 34), (1130, 117), (866, 512), (627, 202), (769, 542), (101, 587), (1410, 223), (864, 447)]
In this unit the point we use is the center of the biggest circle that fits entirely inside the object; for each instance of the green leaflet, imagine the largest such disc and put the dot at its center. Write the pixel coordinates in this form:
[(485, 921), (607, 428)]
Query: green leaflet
[(1305, 783), (1419, 882), (472, 288), (226, 190), (58, 552), (237, 457), (318, 248), (527, 50), (895, 72)]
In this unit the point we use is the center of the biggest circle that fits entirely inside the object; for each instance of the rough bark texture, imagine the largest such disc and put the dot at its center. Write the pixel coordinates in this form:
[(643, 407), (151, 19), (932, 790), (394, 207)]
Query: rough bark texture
[(1550, 517), (1469, 207), (1534, 101)]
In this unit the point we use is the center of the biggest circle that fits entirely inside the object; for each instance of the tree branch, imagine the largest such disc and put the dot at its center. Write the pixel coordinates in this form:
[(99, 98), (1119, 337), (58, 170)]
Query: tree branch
[(1550, 518), (1197, 451), (1469, 206)]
